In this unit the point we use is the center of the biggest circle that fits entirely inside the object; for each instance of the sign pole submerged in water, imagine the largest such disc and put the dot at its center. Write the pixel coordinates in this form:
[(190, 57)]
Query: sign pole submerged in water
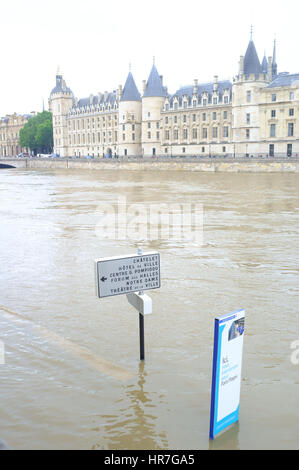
[(227, 371), (130, 276)]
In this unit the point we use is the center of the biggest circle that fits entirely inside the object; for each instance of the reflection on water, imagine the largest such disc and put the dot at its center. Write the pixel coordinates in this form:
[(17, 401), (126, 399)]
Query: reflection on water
[(133, 427), (66, 351)]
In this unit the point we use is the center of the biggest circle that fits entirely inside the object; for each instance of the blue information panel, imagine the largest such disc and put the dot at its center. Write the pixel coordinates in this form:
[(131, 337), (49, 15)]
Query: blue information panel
[(227, 370)]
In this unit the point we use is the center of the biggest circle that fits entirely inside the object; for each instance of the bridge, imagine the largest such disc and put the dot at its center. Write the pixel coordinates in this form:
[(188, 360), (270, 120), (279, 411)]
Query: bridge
[(12, 163)]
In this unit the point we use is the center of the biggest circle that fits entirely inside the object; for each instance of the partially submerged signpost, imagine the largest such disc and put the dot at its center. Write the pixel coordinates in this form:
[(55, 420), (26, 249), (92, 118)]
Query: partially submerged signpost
[(227, 369), (131, 276)]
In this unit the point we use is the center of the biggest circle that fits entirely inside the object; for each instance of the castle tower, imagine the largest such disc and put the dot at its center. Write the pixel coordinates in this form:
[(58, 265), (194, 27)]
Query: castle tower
[(60, 102), (152, 104), (130, 115), (245, 103)]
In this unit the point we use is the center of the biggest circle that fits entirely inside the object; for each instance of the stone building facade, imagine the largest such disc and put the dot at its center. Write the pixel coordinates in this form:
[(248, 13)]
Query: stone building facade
[(10, 127), (255, 114)]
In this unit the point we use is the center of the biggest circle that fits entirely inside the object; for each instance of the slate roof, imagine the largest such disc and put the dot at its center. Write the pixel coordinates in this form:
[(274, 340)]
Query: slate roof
[(202, 88), (251, 60), (154, 86), (264, 65), (285, 79), (111, 98), (130, 91), (60, 86)]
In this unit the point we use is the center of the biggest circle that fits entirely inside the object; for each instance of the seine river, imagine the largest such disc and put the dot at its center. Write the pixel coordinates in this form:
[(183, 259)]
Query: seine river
[(72, 377)]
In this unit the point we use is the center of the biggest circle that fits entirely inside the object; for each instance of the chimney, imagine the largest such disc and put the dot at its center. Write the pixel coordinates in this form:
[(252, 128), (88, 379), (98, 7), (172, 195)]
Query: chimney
[(195, 90), (91, 99), (99, 97), (120, 92), (215, 86), (105, 95), (241, 70), (143, 85)]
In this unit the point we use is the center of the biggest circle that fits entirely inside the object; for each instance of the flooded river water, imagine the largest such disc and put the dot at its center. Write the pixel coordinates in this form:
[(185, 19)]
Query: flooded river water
[(72, 377)]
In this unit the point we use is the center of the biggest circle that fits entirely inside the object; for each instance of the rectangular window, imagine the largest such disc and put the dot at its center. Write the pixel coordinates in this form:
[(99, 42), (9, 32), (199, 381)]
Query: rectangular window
[(289, 150), (194, 117), (290, 129), (215, 132), (204, 133), (148, 135), (203, 149), (273, 113), (184, 118), (292, 96), (194, 103), (185, 104), (133, 137), (157, 125), (271, 150), (158, 135), (225, 131), (273, 98), (247, 134), (166, 120), (248, 96), (214, 116), (185, 134), (272, 130), (215, 100), (224, 115), (124, 137), (148, 125), (204, 116), (175, 119), (204, 102), (194, 133), (226, 100), (166, 135), (291, 112), (248, 118), (175, 134)]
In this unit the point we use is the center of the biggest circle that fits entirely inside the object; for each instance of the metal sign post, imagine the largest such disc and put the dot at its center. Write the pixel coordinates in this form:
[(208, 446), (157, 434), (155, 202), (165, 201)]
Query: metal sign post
[(129, 275)]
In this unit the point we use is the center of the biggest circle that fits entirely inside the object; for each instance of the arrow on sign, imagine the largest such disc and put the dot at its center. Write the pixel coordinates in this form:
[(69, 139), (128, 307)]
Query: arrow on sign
[(104, 279)]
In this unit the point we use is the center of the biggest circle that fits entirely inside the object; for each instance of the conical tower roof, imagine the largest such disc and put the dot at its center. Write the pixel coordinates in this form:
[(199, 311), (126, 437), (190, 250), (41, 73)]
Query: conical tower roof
[(154, 86), (130, 91), (265, 64), (251, 60)]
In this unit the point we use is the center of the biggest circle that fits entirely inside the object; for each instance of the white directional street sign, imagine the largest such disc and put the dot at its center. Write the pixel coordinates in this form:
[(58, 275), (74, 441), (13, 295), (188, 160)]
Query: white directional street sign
[(135, 273)]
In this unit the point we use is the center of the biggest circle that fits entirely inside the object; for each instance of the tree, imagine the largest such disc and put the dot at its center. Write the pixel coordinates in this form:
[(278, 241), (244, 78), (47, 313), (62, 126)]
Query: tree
[(37, 133)]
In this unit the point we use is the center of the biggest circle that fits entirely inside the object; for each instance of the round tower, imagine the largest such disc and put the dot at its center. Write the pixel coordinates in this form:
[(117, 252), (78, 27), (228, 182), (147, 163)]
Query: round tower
[(152, 104), (129, 141), (60, 102), (245, 103)]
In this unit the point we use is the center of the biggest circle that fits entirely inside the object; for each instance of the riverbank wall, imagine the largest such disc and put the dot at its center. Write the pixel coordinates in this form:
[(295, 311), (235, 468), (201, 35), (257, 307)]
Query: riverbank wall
[(240, 166)]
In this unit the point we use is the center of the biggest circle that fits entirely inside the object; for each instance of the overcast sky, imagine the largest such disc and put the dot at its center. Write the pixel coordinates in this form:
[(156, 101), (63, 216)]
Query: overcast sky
[(94, 41)]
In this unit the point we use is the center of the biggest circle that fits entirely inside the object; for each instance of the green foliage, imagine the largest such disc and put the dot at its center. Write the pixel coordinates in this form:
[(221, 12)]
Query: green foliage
[(37, 134)]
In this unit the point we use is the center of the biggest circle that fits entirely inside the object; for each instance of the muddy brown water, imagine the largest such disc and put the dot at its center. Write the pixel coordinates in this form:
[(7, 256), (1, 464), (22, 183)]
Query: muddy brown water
[(72, 377)]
